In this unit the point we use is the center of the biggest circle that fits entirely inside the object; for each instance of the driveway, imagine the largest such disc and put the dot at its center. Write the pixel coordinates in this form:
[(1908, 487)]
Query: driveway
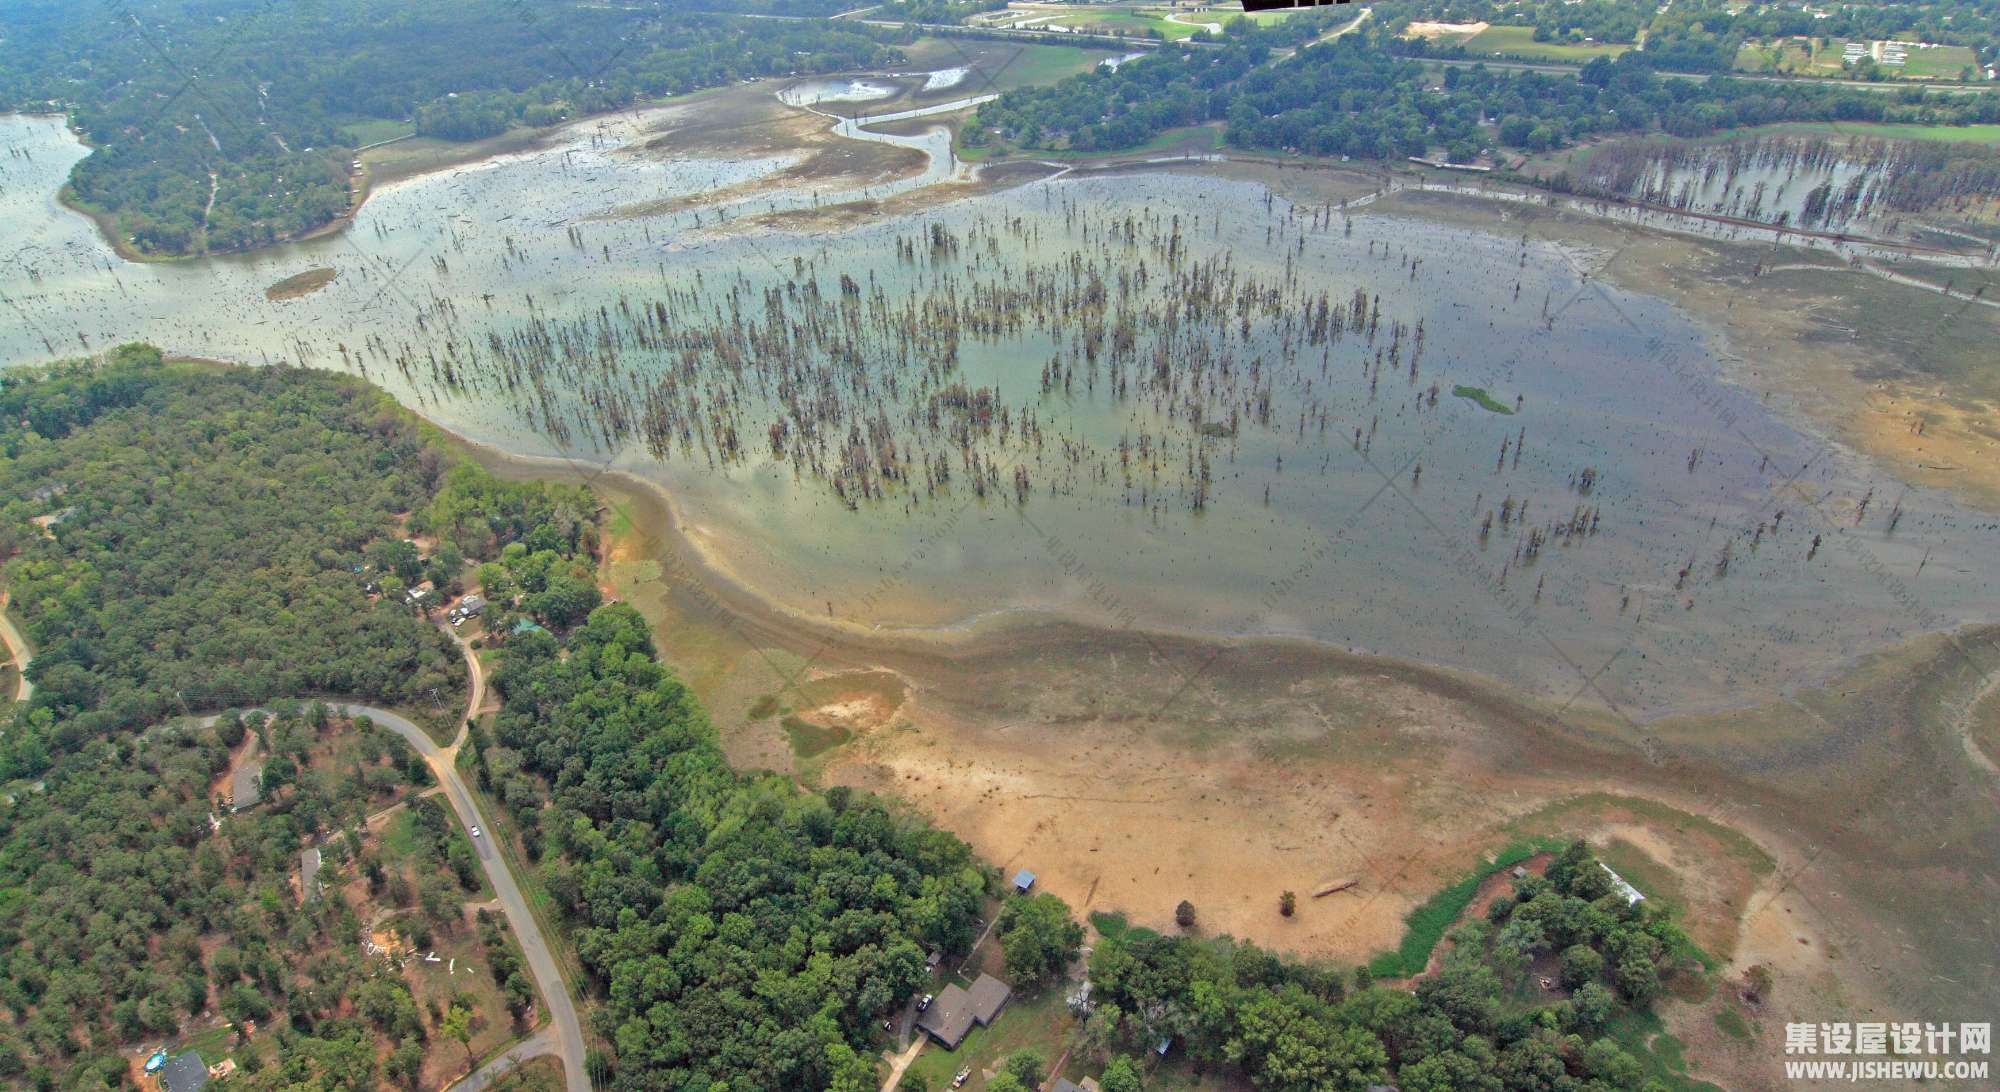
[(534, 1046)]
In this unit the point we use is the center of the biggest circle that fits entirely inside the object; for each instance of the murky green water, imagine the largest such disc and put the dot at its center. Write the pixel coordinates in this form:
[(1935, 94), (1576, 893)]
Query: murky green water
[(1371, 542)]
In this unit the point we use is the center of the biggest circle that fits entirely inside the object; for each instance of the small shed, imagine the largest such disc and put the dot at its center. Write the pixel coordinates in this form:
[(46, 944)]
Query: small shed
[(1023, 880), (184, 1072), (471, 605)]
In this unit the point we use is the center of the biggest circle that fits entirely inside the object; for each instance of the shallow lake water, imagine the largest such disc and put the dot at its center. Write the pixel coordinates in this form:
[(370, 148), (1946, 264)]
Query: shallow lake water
[(1370, 542)]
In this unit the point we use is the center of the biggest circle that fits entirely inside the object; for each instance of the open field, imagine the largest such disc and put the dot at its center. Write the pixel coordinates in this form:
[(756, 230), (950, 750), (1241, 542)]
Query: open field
[(1131, 23), (1000, 66), (1520, 42), (375, 130), (1827, 57)]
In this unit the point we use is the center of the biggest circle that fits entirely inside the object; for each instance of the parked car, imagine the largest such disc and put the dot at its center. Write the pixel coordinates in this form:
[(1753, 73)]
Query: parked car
[(964, 1075), (925, 1002)]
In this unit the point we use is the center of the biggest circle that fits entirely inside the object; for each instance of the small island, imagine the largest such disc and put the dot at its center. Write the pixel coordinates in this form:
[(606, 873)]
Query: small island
[(301, 284), (1483, 399)]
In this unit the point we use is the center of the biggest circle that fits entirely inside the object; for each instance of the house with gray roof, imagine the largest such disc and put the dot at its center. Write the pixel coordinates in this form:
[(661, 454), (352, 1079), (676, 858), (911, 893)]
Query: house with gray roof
[(956, 1010), (184, 1072)]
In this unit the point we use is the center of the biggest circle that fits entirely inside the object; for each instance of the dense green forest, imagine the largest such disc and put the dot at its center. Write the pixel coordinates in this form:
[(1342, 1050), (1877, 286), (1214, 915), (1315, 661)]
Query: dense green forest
[(201, 531), (1353, 97), (184, 538), (225, 124), (743, 933)]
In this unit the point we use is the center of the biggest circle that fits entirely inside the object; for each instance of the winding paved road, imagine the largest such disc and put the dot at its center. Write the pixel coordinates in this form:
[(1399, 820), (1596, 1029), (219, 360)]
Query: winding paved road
[(17, 647), (541, 961)]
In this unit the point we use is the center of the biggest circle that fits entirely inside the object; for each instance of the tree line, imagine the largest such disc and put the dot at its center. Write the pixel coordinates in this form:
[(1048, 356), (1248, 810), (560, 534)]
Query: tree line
[(228, 124), (1353, 97)]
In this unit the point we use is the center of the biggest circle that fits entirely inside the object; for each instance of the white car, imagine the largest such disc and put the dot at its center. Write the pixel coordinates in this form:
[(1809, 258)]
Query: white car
[(475, 832), (964, 1075)]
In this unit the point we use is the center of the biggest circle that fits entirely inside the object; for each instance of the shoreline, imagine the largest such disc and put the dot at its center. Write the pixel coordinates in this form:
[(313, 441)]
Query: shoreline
[(716, 588)]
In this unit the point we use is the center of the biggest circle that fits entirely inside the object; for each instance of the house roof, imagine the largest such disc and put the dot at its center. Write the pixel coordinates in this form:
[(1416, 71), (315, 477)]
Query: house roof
[(246, 786), (988, 994), (956, 1009), (1063, 1085), (183, 1073), (1024, 878), (949, 1017)]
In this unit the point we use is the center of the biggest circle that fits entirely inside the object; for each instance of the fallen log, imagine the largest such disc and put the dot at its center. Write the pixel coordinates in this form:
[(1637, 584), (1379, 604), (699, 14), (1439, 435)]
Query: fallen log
[(1335, 886)]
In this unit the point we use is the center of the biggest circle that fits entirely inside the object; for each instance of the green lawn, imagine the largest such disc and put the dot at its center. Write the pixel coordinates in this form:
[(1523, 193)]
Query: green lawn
[(1131, 24), (1520, 42), (1944, 62), (1645, 1038), (373, 130)]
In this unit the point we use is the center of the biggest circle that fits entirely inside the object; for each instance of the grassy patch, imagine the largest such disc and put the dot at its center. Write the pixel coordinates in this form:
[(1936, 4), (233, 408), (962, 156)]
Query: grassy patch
[(764, 707), (363, 131), (544, 1074), (300, 284), (1659, 1054), (1001, 66), (1939, 62), (1485, 401), (1733, 1025), (214, 1044), (811, 740), (1112, 926), (1429, 922), (1520, 42), (1130, 24)]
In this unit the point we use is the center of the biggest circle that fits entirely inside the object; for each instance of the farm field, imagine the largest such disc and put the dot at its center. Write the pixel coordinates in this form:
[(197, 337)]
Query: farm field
[(1520, 42), (1129, 23)]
